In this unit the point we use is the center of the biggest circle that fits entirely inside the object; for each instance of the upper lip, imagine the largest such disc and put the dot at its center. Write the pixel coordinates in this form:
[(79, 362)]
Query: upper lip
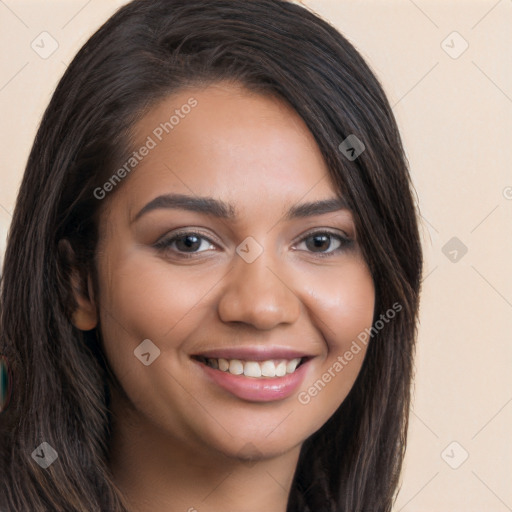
[(254, 353)]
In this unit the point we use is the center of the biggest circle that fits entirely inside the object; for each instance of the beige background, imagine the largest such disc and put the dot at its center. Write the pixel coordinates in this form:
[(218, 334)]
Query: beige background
[(455, 117)]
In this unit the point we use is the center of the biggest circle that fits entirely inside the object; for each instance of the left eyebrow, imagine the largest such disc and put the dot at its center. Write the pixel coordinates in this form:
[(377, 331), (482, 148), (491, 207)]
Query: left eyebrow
[(316, 208), (223, 210)]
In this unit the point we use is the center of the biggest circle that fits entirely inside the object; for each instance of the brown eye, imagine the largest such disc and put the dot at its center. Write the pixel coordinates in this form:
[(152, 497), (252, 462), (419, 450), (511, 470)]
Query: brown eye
[(185, 242), (188, 243), (320, 242)]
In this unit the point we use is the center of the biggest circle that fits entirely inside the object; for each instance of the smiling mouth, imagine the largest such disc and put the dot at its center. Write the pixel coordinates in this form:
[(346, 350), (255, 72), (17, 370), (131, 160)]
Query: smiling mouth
[(271, 368)]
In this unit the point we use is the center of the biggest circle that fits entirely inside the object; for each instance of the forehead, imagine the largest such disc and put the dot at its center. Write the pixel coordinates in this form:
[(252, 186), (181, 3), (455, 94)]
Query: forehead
[(227, 142)]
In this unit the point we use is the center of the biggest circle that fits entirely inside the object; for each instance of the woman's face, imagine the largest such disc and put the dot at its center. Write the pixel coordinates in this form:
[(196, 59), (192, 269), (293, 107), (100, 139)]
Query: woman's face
[(255, 280)]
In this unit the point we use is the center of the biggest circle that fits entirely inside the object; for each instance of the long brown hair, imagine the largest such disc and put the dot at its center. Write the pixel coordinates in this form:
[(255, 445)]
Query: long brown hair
[(147, 50)]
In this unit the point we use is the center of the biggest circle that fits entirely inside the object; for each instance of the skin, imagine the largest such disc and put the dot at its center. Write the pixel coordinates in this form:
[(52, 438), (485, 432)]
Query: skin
[(179, 442)]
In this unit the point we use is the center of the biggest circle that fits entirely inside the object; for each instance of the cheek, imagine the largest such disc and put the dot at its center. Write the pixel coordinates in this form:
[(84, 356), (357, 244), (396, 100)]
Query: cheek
[(147, 298), (344, 307), (343, 301)]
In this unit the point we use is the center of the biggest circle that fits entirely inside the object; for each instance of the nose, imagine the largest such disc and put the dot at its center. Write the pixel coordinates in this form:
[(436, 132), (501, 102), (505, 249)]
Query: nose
[(258, 294)]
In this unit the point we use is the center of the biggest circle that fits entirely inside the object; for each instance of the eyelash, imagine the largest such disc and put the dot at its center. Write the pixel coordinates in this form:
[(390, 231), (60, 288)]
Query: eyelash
[(345, 242)]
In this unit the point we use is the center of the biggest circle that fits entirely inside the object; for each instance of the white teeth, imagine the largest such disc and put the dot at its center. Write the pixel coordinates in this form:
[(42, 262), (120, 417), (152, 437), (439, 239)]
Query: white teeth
[(281, 369), (252, 369), (268, 369), (256, 369), (236, 367), (223, 364), (292, 365)]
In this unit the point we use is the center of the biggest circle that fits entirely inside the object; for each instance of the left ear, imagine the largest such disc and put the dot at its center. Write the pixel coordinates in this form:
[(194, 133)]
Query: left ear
[(85, 316)]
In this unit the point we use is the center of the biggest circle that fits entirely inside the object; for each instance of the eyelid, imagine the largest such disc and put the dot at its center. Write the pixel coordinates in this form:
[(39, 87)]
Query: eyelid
[(346, 241), (331, 231), (300, 238), (182, 232)]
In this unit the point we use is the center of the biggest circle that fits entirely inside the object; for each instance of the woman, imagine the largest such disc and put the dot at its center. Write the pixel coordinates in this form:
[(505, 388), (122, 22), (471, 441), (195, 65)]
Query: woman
[(178, 337)]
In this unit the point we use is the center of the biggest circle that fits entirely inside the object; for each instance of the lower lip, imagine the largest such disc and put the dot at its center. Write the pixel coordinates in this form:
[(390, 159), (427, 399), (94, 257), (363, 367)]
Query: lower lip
[(266, 389)]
